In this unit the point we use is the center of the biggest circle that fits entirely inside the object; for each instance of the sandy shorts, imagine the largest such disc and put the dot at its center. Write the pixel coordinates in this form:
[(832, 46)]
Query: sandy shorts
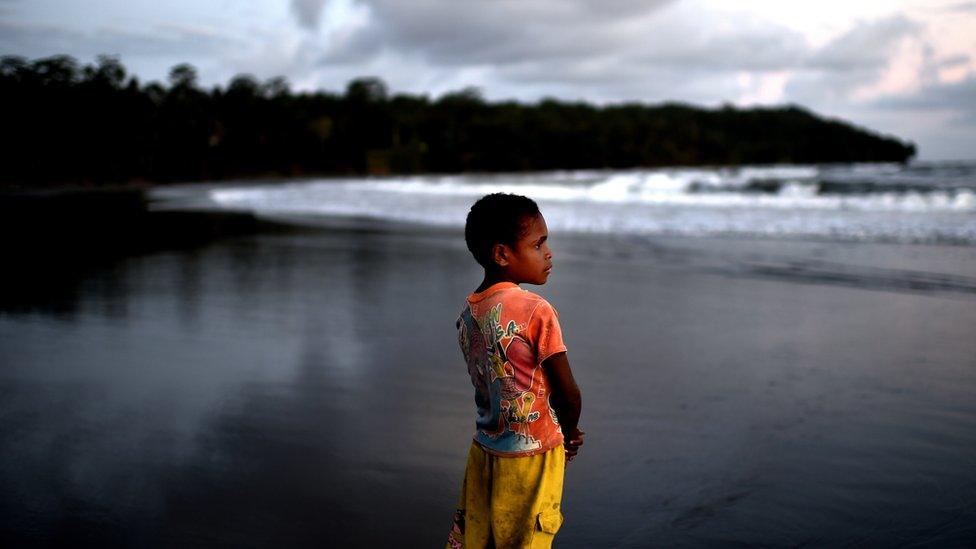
[(509, 502)]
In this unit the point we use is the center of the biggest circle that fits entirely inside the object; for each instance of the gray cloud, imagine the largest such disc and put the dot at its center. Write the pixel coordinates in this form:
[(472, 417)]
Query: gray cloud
[(953, 61), (465, 32), (634, 51), (637, 50), (580, 41), (955, 96), (164, 40), (5, 7), (614, 80), (855, 59), (307, 13), (867, 46), (759, 49), (962, 6)]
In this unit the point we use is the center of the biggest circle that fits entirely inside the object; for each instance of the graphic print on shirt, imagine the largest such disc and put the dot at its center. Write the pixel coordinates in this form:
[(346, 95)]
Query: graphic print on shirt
[(504, 392)]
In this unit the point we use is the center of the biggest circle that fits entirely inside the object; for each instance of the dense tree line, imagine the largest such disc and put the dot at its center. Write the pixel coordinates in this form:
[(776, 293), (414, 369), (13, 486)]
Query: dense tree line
[(68, 123)]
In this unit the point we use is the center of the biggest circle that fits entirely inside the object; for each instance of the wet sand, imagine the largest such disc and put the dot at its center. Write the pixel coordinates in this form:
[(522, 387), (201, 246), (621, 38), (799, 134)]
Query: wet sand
[(304, 389)]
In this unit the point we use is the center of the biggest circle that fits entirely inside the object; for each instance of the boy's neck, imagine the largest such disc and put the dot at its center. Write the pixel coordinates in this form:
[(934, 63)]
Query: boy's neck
[(492, 278)]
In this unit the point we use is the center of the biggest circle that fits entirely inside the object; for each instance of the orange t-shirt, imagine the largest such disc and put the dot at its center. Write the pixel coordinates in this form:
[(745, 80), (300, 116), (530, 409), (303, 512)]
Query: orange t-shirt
[(505, 334)]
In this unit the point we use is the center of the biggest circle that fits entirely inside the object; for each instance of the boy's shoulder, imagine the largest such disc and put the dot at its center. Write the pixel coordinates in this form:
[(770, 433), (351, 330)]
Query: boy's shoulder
[(530, 302), (514, 303), (519, 294), (533, 297)]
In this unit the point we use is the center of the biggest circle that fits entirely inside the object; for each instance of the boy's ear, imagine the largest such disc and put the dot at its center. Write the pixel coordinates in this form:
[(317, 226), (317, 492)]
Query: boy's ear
[(499, 254)]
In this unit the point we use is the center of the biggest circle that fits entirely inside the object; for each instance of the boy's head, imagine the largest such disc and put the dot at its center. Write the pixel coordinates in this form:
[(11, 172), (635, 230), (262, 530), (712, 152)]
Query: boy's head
[(507, 235)]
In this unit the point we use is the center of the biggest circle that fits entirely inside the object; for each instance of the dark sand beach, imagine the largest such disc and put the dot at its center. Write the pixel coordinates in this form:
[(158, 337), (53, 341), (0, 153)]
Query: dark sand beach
[(304, 388)]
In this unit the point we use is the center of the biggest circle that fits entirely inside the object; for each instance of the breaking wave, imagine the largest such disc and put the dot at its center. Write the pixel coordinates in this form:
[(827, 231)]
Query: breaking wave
[(916, 203)]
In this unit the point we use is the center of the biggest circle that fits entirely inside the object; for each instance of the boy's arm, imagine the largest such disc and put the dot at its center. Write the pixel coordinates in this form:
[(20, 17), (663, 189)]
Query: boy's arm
[(566, 399)]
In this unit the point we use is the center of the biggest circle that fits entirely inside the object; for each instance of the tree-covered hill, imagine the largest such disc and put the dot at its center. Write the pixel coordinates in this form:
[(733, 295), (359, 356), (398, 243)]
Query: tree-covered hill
[(66, 123)]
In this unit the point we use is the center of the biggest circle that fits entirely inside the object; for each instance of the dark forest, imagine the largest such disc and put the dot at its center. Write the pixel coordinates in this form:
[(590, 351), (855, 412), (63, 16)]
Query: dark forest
[(65, 123)]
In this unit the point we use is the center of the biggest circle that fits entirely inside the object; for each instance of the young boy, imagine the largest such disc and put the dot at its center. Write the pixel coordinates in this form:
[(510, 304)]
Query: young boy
[(527, 400)]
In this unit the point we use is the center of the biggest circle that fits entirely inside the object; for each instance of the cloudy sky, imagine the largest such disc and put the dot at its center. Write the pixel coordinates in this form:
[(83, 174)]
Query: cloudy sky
[(898, 66)]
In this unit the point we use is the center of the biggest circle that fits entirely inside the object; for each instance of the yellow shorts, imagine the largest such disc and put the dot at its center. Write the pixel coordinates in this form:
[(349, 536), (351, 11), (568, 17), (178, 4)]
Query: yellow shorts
[(509, 502)]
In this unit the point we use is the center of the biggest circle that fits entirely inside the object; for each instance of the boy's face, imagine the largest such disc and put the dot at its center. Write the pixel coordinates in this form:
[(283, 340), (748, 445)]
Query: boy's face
[(530, 260)]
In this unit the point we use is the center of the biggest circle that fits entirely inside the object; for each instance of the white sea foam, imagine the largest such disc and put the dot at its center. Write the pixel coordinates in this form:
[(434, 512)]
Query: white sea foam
[(781, 200)]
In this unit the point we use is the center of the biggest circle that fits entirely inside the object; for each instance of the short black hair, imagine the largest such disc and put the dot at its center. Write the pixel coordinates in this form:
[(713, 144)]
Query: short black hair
[(497, 218)]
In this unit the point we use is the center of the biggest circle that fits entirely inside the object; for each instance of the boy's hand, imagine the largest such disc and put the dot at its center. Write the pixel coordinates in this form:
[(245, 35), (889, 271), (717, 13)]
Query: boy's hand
[(572, 443)]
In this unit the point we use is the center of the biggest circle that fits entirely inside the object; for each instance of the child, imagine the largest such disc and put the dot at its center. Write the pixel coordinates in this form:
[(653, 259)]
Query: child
[(527, 400)]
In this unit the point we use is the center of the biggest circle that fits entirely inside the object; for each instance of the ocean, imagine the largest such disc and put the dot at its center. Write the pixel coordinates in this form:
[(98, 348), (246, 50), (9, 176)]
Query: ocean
[(918, 202)]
